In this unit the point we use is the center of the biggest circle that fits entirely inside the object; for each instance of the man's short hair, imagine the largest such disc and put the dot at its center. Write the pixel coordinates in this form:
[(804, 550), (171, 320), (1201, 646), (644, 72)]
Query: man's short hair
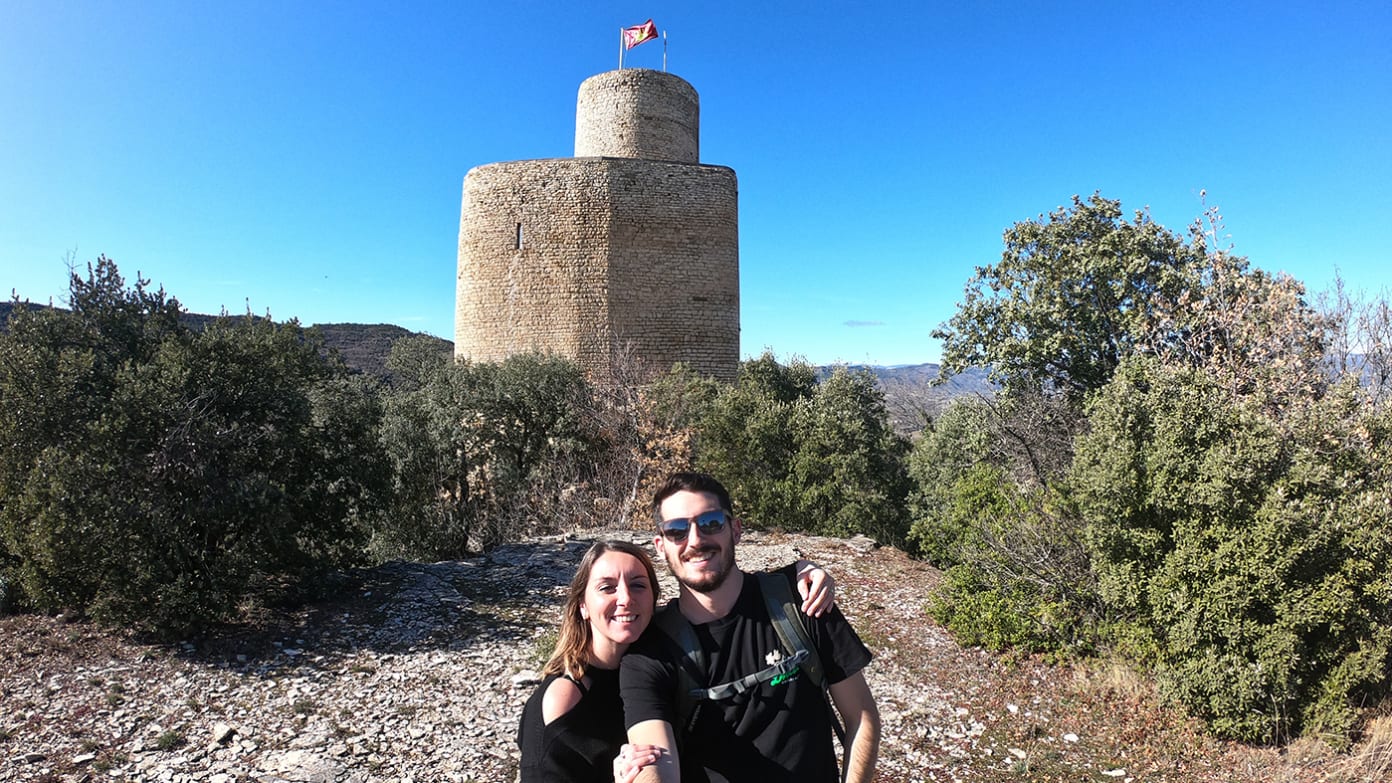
[(690, 482)]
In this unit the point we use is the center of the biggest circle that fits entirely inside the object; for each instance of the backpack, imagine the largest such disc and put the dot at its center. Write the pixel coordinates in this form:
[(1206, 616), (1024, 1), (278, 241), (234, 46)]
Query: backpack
[(784, 610)]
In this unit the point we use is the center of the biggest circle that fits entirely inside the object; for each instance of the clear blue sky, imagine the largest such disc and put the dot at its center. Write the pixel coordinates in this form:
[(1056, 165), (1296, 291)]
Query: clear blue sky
[(307, 157)]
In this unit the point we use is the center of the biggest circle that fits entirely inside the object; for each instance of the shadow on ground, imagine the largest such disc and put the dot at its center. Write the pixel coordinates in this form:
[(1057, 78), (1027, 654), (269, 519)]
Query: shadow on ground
[(401, 607)]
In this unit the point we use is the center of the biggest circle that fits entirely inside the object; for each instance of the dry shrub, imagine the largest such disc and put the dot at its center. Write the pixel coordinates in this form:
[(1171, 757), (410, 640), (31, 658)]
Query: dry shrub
[(1116, 680), (1371, 758)]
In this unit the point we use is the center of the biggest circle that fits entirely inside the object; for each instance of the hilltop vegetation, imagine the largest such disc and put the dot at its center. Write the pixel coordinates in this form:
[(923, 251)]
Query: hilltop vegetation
[(1176, 459)]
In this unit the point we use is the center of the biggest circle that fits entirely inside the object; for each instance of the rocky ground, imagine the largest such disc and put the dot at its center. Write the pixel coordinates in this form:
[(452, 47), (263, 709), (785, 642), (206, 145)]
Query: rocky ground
[(418, 672)]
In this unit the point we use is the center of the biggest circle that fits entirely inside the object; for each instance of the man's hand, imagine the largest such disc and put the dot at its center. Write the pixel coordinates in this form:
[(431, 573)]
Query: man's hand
[(817, 588)]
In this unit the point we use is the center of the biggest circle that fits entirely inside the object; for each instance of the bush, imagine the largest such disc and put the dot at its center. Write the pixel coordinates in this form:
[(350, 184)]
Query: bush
[(848, 474), (801, 455), (481, 452), (1250, 553), (172, 476), (1020, 577), (956, 442)]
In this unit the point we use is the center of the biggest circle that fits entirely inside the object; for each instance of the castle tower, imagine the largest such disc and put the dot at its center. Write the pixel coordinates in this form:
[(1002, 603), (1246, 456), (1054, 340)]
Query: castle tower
[(631, 246)]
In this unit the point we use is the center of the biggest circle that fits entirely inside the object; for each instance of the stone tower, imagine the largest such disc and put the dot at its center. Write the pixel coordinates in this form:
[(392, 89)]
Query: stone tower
[(631, 246)]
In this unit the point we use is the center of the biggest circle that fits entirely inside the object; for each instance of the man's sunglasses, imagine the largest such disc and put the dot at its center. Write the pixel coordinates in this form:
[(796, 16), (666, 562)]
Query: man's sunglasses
[(709, 523)]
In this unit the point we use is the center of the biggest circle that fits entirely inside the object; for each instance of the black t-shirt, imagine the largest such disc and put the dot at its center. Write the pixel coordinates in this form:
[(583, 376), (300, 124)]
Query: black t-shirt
[(579, 746), (770, 733)]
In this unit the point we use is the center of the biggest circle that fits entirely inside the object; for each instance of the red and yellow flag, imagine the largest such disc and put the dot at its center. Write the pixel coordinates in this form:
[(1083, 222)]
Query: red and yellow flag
[(632, 36)]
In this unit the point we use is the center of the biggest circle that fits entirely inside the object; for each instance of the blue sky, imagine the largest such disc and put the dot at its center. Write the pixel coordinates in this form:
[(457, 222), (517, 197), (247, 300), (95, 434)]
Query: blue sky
[(306, 158)]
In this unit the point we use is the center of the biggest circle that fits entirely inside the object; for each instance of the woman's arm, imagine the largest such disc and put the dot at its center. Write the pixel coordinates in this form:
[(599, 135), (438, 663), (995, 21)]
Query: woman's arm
[(658, 734)]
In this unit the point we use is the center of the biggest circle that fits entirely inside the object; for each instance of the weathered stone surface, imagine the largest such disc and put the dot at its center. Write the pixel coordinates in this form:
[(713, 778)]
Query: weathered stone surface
[(638, 113), (629, 249)]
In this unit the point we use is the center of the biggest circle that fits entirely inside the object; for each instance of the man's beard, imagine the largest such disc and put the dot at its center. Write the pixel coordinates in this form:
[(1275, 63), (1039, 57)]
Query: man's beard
[(706, 581)]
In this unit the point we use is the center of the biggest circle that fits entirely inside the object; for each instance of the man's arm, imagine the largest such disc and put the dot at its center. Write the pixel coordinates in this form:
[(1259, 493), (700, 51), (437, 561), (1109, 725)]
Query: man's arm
[(667, 769), (857, 706)]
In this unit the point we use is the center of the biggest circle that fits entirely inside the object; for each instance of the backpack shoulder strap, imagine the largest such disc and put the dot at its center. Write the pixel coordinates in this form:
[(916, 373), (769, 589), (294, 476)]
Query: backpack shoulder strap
[(690, 663), (785, 612)]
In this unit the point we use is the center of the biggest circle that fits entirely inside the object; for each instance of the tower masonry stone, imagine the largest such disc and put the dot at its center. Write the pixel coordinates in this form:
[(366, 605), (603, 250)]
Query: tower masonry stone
[(628, 249)]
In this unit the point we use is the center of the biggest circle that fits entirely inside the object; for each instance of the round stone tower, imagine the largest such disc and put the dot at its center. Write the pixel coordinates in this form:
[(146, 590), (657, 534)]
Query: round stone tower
[(628, 249), (638, 113)]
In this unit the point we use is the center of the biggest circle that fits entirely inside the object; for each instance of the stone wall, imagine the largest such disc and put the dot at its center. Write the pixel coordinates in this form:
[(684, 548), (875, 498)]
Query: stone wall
[(638, 113), (586, 257)]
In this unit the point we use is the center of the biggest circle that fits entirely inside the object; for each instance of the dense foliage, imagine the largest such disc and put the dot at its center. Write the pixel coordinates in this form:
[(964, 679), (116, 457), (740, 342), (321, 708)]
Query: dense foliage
[(1251, 554), (1072, 295), (1187, 464), (801, 455), (481, 452), (158, 477)]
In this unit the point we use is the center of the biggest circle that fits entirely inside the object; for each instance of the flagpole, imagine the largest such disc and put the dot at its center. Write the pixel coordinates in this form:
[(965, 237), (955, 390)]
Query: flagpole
[(664, 51), (621, 48)]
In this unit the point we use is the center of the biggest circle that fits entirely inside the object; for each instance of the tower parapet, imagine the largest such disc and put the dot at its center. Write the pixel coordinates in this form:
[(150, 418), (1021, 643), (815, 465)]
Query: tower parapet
[(638, 113)]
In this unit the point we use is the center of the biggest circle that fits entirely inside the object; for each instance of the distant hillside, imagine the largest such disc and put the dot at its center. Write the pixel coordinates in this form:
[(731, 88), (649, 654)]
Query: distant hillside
[(364, 347)]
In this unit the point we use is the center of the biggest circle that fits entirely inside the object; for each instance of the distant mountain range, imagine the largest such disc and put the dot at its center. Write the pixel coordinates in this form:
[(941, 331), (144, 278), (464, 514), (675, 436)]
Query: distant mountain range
[(909, 393)]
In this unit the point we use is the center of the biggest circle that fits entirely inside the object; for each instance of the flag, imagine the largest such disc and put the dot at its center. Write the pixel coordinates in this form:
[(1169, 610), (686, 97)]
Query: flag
[(632, 36)]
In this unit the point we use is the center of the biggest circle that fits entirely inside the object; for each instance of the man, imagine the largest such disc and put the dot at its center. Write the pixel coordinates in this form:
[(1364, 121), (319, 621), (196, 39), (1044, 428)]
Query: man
[(781, 729)]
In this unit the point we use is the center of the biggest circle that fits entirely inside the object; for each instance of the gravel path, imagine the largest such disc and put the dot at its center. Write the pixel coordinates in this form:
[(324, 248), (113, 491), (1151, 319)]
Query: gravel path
[(418, 672)]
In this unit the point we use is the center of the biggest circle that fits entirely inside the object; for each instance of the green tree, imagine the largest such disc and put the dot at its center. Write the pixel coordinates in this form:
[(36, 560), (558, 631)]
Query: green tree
[(1249, 549), (1069, 298), (745, 437), (954, 443), (848, 473), (803, 455)]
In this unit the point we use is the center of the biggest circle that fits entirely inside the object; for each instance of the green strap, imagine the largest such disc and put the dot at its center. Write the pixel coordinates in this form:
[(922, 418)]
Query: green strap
[(751, 681), (786, 614)]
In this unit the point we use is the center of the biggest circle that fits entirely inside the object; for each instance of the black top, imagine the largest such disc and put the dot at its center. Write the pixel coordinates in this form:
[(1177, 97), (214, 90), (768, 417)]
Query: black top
[(771, 733), (579, 746)]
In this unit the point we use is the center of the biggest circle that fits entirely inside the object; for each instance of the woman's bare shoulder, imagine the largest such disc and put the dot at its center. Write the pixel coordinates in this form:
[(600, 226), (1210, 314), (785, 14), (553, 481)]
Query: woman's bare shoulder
[(561, 697)]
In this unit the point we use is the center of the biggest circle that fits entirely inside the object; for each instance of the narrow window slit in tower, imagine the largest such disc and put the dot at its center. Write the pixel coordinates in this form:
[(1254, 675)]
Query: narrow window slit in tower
[(519, 237)]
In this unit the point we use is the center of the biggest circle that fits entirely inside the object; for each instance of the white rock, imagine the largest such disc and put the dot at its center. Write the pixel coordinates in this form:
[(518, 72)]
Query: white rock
[(222, 732)]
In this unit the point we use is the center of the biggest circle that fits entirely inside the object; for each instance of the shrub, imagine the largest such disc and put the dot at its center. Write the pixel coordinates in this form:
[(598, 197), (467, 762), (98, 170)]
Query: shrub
[(848, 474), (1251, 553), (1021, 575), (953, 444), (801, 455), (172, 475), (481, 452)]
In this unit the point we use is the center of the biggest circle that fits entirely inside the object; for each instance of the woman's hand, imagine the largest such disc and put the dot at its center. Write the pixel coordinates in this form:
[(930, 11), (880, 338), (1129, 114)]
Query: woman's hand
[(817, 588), (632, 758)]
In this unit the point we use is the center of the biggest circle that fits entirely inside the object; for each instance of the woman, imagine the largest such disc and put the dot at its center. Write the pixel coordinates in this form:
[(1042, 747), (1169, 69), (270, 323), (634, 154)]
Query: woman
[(572, 728)]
